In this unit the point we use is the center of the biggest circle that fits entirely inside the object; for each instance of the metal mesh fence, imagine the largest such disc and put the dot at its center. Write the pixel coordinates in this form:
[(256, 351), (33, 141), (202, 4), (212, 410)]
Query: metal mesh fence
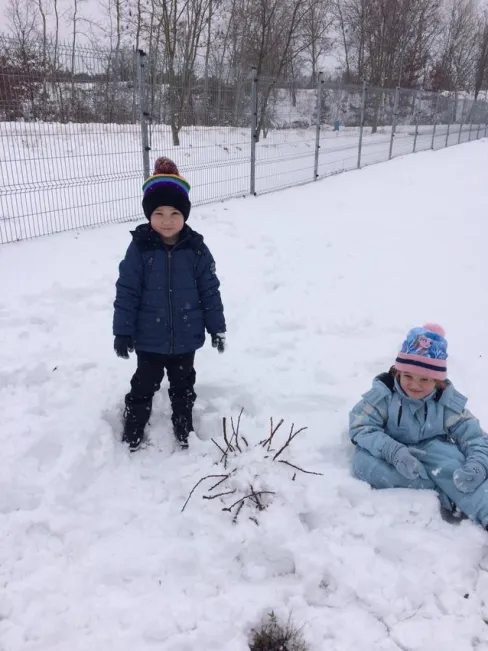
[(205, 127), (70, 152), (80, 128)]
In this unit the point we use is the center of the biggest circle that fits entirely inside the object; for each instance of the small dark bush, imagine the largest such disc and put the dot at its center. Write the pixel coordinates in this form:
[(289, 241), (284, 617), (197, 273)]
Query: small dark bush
[(273, 635)]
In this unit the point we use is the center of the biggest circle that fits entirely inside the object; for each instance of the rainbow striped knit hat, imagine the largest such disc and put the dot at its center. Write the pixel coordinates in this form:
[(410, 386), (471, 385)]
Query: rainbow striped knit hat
[(166, 188)]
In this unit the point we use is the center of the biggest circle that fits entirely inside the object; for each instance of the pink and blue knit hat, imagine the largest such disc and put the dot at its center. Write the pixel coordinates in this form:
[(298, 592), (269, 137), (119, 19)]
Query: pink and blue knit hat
[(166, 187), (424, 352)]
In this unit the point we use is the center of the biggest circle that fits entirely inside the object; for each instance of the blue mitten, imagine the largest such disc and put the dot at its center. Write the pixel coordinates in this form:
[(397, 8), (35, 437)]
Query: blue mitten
[(470, 477), (408, 466)]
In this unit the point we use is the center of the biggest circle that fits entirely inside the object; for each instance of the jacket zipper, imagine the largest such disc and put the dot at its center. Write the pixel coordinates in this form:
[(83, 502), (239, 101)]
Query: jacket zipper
[(170, 301), (400, 415), (170, 297)]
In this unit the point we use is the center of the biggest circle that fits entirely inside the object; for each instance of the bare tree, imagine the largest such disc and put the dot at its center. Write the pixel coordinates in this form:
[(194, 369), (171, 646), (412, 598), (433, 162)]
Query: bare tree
[(481, 77), (315, 33), (21, 18), (386, 42), (455, 64), (182, 24)]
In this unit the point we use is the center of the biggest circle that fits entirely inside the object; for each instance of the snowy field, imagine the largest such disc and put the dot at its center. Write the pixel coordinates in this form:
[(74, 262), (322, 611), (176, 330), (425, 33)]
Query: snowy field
[(320, 285), (56, 177)]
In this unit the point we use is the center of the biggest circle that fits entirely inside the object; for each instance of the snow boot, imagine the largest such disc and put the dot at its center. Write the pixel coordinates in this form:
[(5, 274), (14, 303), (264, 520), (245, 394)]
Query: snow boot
[(182, 426), (136, 418)]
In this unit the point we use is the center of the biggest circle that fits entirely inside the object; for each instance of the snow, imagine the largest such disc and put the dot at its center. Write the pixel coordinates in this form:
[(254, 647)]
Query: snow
[(320, 284)]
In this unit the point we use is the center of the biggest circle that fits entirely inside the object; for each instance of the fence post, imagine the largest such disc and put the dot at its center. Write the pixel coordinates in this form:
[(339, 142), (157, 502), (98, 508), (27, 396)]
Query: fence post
[(394, 121), (471, 119), (254, 128), (361, 126), (461, 125), (143, 113), (436, 117), (486, 124), (451, 113), (416, 111), (478, 117), (320, 84)]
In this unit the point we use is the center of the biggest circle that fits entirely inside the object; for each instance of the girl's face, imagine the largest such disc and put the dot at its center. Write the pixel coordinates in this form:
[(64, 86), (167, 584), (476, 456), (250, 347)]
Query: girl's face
[(167, 221), (416, 386)]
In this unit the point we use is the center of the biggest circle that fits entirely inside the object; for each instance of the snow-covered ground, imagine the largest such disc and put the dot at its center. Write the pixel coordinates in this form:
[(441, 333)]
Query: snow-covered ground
[(320, 284), (56, 177)]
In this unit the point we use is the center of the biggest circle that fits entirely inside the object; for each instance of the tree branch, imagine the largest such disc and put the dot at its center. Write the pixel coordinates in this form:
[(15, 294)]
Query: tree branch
[(214, 497), (198, 484), (290, 439), (307, 472), (229, 508)]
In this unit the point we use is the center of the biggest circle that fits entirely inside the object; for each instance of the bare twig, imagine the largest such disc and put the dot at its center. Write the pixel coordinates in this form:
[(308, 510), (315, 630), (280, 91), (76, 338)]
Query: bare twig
[(198, 484), (289, 440), (224, 427), (307, 472), (245, 441), (214, 497), (235, 430), (235, 435), (221, 449), (256, 499), (273, 430), (234, 519), (246, 497), (220, 482), (255, 520)]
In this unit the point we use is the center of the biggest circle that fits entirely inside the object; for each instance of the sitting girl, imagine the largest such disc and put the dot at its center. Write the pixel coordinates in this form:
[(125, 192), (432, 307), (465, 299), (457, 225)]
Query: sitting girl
[(412, 430)]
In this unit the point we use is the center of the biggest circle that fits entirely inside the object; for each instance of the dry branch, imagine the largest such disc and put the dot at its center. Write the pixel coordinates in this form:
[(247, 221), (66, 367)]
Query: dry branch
[(235, 430), (273, 430), (246, 497), (307, 472), (214, 497), (289, 440), (198, 484), (234, 519), (220, 482), (224, 427), (221, 449)]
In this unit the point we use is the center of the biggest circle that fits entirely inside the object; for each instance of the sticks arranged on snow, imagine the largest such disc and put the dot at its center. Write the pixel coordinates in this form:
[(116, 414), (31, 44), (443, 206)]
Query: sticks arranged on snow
[(269, 440), (234, 519), (247, 497), (230, 449), (198, 484), (290, 439), (214, 497), (235, 431), (307, 472)]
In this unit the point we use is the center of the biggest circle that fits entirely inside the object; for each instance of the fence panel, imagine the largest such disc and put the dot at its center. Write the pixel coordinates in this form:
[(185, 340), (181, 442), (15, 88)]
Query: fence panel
[(70, 148), (286, 134), (205, 127), (340, 130), (379, 120)]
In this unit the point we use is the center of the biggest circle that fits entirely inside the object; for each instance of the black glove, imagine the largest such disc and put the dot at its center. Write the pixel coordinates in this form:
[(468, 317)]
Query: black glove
[(123, 345), (218, 341)]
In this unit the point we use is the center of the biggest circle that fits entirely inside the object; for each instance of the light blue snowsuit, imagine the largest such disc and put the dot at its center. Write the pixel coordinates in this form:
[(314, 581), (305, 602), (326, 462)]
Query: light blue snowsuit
[(438, 430)]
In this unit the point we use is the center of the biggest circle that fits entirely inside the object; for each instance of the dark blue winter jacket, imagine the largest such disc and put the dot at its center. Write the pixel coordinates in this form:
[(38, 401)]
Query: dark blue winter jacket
[(167, 296)]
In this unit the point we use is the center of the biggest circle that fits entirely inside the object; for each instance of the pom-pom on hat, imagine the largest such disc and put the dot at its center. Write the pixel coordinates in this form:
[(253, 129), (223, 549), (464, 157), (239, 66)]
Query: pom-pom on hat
[(166, 188), (424, 352)]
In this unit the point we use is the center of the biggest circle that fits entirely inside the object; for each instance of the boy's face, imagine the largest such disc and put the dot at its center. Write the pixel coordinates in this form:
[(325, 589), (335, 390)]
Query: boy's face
[(167, 221), (416, 386)]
